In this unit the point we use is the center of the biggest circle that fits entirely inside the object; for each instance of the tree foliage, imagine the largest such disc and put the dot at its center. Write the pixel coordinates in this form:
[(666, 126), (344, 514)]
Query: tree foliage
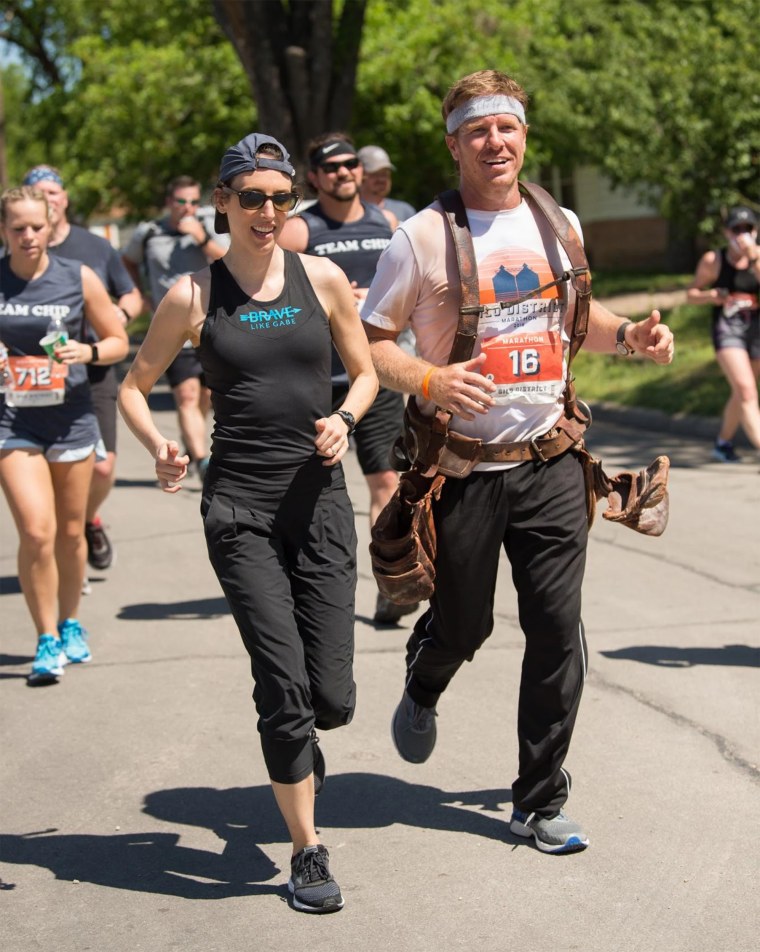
[(140, 92), (664, 97)]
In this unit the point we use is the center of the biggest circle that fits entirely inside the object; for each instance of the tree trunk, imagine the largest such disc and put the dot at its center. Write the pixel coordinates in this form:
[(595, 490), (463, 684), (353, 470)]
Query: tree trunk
[(300, 63)]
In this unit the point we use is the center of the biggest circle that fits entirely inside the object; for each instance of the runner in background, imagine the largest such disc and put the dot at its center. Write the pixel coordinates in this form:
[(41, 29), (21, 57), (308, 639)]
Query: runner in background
[(167, 249), (729, 279), (72, 241), (49, 435), (353, 233)]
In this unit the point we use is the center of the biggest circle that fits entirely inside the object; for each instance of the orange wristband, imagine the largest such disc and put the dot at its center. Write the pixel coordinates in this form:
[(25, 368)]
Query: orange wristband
[(426, 382)]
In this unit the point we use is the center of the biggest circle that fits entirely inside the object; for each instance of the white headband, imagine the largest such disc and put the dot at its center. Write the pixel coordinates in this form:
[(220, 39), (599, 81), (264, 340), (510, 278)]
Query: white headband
[(484, 106)]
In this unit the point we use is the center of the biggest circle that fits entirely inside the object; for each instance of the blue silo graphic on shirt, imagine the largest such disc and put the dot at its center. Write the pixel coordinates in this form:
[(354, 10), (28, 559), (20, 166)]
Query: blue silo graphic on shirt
[(504, 283), (527, 280)]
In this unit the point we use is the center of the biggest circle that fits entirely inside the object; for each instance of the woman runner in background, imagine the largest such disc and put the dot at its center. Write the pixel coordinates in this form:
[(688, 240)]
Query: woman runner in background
[(48, 430)]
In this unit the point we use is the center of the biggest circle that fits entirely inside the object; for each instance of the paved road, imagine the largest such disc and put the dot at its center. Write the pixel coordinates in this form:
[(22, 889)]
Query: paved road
[(137, 815)]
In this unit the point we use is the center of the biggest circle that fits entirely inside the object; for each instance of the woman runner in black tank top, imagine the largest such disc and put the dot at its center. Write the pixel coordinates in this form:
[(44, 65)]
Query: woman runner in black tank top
[(729, 280), (278, 522)]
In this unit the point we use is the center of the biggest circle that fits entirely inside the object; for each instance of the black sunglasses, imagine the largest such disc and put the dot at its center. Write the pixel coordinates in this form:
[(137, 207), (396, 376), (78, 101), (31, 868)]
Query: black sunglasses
[(742, 229), (330, 167), (253, 199)]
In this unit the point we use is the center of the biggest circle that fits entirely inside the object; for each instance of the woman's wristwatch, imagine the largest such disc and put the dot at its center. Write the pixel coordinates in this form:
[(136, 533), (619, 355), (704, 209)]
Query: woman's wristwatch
[(348, 418)]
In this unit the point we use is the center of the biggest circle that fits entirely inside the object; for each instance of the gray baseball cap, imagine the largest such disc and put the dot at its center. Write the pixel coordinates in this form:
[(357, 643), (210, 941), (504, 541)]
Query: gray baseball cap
[(373, 158)]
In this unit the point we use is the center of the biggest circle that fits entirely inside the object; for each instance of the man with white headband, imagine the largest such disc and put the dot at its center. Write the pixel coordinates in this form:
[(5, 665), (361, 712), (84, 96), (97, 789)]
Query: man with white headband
[(508, 396)]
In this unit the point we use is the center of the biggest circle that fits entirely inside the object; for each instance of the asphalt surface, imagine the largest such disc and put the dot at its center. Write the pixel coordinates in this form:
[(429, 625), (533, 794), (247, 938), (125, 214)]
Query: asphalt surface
[(137, 813)]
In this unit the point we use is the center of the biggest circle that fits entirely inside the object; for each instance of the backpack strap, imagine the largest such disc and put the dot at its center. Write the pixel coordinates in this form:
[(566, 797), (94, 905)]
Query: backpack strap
[(469, 303)]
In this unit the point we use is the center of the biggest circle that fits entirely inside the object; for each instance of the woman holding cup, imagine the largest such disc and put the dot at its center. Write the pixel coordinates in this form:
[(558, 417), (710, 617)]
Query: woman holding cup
[(48, 432)]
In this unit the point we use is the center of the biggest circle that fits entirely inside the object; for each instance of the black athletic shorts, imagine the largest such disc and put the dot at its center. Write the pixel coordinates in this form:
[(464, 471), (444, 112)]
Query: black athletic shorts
[(378, 429), (103, 388), (184, 366)]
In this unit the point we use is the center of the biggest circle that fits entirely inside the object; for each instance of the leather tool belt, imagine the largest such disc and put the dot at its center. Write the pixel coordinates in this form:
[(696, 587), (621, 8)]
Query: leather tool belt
[(424, 437)]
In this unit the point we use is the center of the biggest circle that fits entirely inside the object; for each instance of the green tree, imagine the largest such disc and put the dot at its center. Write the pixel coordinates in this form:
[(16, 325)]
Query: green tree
[(663, 97), (125, 95)]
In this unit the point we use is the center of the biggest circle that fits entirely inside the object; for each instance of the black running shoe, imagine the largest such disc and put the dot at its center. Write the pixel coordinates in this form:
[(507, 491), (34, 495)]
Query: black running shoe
[(319, 764), (100, 552), (311, 883)]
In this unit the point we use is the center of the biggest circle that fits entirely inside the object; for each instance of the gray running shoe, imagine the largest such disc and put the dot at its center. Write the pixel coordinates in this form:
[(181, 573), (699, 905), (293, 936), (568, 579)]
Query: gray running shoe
[(556, 834), (311, 883), (388, 612), (413, 730)]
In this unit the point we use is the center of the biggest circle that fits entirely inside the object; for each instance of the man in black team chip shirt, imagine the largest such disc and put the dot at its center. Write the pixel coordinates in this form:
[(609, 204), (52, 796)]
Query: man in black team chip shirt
[(353, 234)]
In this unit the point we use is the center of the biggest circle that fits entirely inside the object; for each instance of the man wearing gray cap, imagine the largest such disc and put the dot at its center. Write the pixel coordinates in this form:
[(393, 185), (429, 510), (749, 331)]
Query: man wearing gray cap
[(377, 182)]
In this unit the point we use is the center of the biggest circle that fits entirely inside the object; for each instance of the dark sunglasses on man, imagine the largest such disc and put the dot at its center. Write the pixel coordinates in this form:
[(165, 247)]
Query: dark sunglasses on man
[(187, 201), (742, 229), (330, 167), (252, 199)]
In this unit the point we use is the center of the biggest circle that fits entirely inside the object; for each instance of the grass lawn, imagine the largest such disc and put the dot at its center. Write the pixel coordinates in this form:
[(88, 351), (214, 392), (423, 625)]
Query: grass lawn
[(692, 384)]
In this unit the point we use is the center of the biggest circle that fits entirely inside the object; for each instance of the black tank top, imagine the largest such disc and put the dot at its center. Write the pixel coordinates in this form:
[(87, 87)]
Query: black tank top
[(268, 366), (743, 281)]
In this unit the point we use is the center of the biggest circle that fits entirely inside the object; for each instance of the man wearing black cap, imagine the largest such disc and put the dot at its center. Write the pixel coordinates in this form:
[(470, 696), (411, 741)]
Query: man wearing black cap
[(72, 241), (729, 280), (174, 245), (353, 234)]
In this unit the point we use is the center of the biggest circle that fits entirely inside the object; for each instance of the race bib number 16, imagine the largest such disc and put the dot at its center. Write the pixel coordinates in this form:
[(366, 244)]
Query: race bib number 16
[(528, 365)]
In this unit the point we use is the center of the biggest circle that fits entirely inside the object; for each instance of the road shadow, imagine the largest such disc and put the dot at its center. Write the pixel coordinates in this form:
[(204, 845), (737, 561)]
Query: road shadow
[(197, 609), (668, 656), (243, 818), (136, 483), (9, 585)]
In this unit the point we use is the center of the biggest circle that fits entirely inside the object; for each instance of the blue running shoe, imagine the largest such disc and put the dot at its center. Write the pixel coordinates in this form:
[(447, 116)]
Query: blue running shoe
[(556, 834), (74, 642), (47, 665)]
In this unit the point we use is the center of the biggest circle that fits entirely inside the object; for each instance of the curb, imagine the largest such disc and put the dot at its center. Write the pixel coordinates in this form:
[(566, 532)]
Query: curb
[(656, 421)]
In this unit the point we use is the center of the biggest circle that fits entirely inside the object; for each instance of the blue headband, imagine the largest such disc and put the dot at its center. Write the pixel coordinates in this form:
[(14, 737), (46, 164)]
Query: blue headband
[(42, 173)]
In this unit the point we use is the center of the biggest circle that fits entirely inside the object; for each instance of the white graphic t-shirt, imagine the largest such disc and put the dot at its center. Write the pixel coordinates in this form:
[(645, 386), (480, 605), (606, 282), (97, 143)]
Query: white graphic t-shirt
[(417, 283)]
